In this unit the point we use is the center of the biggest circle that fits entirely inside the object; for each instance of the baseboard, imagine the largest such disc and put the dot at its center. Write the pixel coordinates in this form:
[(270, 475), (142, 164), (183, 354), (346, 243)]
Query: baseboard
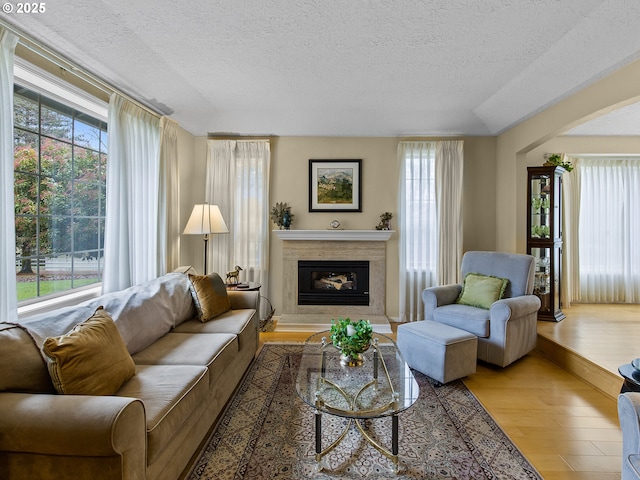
[(319, 323)]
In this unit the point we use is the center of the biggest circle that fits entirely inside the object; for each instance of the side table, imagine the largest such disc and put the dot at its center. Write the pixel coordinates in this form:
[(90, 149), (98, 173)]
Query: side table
[(631, 378), (244, 286)]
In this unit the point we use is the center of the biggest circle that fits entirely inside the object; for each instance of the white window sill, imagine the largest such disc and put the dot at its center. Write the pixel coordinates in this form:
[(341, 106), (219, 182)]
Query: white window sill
[(54, 303)]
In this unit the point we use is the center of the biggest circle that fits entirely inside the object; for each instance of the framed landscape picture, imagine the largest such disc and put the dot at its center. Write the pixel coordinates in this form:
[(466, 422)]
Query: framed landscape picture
[(335, 185)]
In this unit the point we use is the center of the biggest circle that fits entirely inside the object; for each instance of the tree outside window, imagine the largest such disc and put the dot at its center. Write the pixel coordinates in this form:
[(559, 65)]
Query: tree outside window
[(60, 157)]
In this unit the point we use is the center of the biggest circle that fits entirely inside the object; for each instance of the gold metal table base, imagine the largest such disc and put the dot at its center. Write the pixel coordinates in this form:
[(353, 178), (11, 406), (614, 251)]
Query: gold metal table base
[(354, 414), (390, 454)]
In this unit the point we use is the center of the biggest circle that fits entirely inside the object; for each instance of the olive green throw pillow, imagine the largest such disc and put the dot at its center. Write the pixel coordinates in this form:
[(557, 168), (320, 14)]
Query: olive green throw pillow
[(91, 359), (209, 295), (481, 290)]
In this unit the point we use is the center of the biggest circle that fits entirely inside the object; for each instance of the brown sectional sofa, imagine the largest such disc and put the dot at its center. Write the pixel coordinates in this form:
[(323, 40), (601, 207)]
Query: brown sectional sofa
[(186, 371)]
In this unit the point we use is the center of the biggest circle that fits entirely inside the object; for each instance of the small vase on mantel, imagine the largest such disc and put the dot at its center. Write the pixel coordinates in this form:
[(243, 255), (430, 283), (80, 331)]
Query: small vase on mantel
[(286, 220)]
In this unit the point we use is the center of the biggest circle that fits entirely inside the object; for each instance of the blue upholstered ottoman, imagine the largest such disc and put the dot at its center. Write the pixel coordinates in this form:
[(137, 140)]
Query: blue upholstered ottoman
[(440, 351)]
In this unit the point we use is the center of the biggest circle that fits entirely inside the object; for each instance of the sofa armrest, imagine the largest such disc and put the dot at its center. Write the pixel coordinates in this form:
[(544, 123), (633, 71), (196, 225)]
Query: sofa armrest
[(434, 297), (240, 299), (514, 308), (74, 425), (629, 415)]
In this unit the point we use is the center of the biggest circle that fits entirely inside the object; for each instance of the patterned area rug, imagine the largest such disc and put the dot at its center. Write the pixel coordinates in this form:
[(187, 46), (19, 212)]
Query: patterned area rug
[(267, 432)]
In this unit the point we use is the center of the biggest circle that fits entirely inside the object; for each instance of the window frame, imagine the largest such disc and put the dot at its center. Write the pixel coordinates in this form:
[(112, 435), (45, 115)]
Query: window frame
[(81, 103)]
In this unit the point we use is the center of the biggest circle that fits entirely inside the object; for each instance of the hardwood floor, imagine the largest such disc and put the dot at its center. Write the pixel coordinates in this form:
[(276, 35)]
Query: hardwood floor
[(567, 427)]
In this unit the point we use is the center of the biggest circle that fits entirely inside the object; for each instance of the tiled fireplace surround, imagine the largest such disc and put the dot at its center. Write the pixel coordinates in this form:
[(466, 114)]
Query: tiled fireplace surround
[(342, 245)]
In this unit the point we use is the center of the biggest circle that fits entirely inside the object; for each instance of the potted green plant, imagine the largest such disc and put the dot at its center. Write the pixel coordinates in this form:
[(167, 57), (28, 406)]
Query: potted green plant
[(555, 159), (352, 339)]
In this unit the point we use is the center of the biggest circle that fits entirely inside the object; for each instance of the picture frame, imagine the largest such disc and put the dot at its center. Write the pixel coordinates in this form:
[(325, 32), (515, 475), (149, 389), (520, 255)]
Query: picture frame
[(335, 185)]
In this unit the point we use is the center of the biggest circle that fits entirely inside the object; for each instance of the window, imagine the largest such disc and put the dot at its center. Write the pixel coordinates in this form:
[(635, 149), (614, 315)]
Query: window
[(420, 235), (417, 224), (609, 225), (60, 156)]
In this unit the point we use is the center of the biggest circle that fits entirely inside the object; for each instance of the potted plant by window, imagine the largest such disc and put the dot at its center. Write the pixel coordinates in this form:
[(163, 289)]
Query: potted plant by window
[(352, 339)]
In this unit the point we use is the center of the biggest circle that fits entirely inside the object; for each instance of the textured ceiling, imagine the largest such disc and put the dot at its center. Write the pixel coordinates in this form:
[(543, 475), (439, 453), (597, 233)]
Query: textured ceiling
[(349, 68)]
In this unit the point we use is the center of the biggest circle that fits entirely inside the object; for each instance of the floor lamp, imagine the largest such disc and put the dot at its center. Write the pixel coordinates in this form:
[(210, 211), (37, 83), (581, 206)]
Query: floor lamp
[(205, 219)]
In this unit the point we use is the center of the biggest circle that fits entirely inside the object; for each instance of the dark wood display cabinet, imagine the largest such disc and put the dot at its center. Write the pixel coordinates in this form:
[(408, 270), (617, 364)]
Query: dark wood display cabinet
[(544, 237)]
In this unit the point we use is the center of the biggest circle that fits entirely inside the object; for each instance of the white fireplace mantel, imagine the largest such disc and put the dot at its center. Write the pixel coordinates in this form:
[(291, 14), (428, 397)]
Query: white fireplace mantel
[(336, 235)]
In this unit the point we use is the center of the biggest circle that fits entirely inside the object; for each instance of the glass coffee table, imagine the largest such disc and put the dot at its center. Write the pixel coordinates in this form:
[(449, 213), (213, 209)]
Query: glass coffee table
[(383, 386)]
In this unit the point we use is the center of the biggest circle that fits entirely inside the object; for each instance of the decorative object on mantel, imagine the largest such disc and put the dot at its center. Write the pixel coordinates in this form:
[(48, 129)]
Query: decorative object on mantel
[(335, 185), (352, 339), (281, 215), (385, 221), (557, 160), (233, 275), (335, 224)]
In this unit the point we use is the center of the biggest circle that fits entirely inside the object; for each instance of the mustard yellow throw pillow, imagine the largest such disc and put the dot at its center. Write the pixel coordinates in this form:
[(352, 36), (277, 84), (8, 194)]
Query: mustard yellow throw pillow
[(91, 359), (209, 295), (481, 290)]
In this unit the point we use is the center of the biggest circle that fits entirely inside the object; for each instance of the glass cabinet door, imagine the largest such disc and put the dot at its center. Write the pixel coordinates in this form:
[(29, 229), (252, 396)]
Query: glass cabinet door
[(543, 278), (540, 206)]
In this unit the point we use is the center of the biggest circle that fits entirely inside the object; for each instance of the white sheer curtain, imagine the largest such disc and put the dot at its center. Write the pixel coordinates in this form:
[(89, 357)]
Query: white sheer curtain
[(8, 292), (570, 285), (417, 225), (132, 254), (609, 228), (218, 191), (237, 180), (449, 170), (169, 199)]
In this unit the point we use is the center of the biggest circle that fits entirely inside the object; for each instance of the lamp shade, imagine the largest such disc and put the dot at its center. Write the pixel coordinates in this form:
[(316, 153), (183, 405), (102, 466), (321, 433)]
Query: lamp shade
[(205, 219)]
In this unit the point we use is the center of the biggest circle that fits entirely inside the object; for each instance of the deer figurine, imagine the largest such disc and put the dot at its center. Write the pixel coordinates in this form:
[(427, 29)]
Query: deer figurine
[(232, 276)]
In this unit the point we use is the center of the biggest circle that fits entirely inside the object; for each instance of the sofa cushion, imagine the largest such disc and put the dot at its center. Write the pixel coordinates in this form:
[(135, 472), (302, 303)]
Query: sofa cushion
[(472, 319), (91, 359), (214, 351), (481, 290), (233, 321), (143, 313), (146, 312), (242, 323), (170, 394), (209, 296), (30, 373)]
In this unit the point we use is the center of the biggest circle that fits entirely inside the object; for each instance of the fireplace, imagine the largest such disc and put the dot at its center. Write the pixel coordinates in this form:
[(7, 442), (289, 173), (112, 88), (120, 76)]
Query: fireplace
[(333, 282)]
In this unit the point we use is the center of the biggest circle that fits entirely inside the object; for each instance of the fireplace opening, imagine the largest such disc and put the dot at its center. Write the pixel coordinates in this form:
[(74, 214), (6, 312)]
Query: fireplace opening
[(333, 282)]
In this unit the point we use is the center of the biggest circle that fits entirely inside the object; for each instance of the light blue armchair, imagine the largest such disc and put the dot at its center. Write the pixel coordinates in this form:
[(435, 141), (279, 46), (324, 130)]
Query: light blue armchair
[(629, 416), (508, 329)]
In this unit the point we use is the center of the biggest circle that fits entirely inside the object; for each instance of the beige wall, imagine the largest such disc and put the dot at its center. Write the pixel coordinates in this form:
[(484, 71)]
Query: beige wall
[(614, 91), (290, 181), (191, 192)]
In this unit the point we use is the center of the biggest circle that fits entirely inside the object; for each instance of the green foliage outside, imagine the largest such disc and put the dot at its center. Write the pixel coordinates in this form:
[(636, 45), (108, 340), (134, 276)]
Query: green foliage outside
[(27, 290), (59, 188)]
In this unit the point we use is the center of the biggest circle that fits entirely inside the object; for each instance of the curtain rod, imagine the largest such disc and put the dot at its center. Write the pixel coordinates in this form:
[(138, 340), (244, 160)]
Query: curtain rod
[(239, 138), (58, 60)]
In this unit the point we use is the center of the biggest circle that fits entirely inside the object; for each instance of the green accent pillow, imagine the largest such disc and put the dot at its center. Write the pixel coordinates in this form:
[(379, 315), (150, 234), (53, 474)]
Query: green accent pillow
[(481, 290), (91, 359), (209, 296)]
